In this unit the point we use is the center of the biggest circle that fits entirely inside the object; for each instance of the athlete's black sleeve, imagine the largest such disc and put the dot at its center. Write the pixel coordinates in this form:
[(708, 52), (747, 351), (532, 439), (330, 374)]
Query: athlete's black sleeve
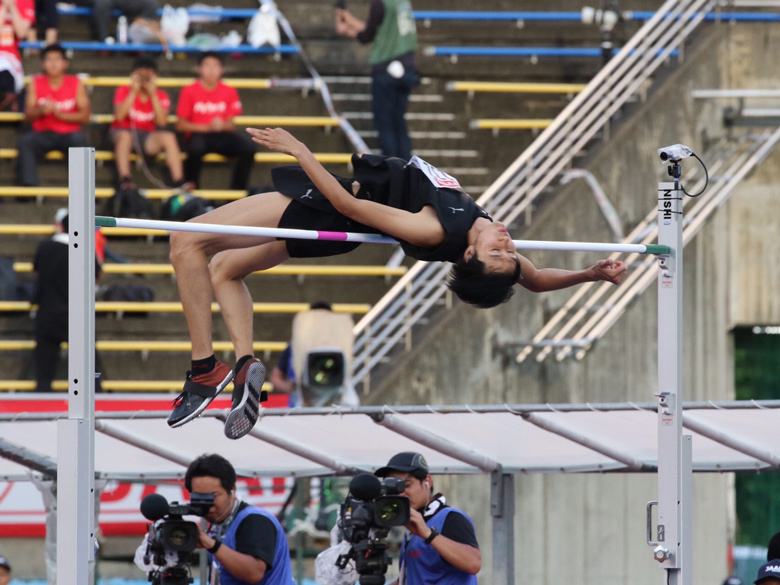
[(256, 536), (458, 528)]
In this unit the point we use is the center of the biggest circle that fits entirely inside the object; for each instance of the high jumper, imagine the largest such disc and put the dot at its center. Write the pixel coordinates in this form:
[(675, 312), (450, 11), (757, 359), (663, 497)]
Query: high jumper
[(425, 209)]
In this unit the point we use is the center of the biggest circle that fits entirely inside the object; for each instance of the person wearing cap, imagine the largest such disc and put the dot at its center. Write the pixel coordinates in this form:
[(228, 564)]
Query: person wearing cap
[(441, 546), (773, 549), (769, 573), (5, 571)]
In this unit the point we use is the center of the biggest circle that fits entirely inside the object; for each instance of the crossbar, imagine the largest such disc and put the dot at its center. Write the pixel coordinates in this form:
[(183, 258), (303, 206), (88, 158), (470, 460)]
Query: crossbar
[(236, 230)]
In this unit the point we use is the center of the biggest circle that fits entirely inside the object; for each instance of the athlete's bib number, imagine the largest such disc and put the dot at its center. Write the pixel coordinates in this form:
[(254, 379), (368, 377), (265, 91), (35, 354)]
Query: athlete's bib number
[(440, 179)]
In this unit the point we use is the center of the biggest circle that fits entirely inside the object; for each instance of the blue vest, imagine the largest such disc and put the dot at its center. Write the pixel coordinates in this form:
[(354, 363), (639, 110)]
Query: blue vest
[(280, 572), (424, 566)]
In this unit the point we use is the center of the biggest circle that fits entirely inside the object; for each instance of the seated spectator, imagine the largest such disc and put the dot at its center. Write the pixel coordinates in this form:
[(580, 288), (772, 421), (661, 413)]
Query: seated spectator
[(206, 110), (57, 105), (133, 9), (48, 21), (16, 18), (140, 109)]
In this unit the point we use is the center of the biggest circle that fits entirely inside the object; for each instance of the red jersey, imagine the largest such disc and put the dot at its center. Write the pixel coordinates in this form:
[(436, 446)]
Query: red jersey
[(200, 106), (64, 96), (9, 43), (141, 115)]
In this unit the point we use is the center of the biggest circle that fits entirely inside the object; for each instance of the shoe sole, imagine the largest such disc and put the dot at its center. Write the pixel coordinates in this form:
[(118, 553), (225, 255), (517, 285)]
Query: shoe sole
[(243, 417), (195, 413)]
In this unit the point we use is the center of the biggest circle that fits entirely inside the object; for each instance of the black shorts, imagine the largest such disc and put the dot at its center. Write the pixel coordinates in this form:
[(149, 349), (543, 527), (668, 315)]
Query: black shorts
[(310, 210)]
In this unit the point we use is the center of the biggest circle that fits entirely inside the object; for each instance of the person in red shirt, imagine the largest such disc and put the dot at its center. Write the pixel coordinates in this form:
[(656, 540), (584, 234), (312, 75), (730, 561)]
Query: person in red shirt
[(16, 18), (57, 105), (206, 110), (139, 110)]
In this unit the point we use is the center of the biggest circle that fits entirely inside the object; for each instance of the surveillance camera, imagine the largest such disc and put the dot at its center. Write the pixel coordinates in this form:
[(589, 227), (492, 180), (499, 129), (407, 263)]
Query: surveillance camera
[(674, 153)]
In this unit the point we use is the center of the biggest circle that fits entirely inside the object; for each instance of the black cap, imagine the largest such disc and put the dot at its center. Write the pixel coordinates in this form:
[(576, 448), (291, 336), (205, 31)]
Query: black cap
[(4, 563), (408, 461)]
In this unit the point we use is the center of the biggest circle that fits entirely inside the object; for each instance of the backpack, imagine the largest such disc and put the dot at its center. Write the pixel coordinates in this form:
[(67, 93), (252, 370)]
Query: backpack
[(184, 206), (132, 293), (128, 203), (9, 285)]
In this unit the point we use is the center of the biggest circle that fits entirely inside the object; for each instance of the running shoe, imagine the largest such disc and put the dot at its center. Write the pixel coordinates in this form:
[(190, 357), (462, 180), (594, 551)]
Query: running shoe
[(248, 393), (198, 392)]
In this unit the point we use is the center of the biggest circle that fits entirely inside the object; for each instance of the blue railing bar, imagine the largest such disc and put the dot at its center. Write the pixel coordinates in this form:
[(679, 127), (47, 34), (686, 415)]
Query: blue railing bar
[(129, 47), (223, 13), (521, 51)]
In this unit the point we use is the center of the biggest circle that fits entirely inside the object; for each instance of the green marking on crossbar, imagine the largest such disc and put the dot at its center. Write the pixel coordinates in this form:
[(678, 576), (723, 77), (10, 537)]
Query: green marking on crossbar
[(657, 249), (105, 221)]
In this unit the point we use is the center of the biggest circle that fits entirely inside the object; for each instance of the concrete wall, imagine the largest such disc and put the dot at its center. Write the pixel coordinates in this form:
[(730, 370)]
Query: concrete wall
[(590, 529)]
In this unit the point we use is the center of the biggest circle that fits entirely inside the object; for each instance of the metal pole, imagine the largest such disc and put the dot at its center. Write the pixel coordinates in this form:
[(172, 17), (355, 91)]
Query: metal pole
[(76, 434), (674, 549), (502, 509)]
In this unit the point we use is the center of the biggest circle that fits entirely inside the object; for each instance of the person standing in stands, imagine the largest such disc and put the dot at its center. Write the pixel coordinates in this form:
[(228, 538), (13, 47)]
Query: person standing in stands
[(51, 296), (16, 18), (206, 110), (58, 106), (140, 109), (391, 31)]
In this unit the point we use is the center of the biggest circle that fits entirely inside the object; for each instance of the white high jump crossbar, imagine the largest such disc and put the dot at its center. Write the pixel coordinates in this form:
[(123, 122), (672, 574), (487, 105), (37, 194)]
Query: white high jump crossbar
[(672, 537), (295, 234)]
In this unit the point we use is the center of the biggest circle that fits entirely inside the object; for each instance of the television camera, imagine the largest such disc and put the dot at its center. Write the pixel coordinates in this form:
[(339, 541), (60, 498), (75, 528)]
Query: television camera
[(371, 509), (172, 539)]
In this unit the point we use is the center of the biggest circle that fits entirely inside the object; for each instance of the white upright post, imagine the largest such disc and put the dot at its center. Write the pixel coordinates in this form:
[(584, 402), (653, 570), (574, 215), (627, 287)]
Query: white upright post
[(76, 434), (673, 532)]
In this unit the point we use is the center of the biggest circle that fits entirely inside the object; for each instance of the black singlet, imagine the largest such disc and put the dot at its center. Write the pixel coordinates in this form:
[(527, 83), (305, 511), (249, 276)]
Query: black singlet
[(386, 180)]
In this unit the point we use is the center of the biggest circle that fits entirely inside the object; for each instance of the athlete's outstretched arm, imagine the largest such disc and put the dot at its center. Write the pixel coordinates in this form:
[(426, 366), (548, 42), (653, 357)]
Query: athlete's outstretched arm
[(547, 279), (421, 229)]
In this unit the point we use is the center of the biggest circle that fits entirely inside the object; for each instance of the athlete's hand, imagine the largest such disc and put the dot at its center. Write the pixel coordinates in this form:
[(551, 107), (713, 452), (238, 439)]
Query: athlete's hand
[(276, 139), (610, 270)]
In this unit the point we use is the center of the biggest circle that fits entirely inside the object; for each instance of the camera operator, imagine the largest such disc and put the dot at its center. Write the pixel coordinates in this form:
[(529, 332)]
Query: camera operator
[(441, 546), (246, 544)]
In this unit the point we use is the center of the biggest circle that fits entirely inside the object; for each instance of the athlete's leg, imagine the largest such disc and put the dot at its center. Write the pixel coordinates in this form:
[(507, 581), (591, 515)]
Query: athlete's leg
[(228, 270), (190, 252)]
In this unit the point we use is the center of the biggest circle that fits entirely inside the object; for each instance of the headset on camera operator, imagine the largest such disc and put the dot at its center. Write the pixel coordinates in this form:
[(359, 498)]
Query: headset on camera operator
[(246, 544), (441, 546)]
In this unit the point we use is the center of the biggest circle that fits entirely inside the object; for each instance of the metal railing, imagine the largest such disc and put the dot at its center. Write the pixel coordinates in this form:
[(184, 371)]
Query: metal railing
[(592, 310), (392, 318)]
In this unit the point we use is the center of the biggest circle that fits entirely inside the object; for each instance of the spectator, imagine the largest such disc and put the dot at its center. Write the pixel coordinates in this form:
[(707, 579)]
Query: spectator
[(769, 573), (57, 105), (47, 22), (206, 110), (390, 30), (16, 18), (140, 109), (440, 545), (5, 571), (51, 320), (133, 9)]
